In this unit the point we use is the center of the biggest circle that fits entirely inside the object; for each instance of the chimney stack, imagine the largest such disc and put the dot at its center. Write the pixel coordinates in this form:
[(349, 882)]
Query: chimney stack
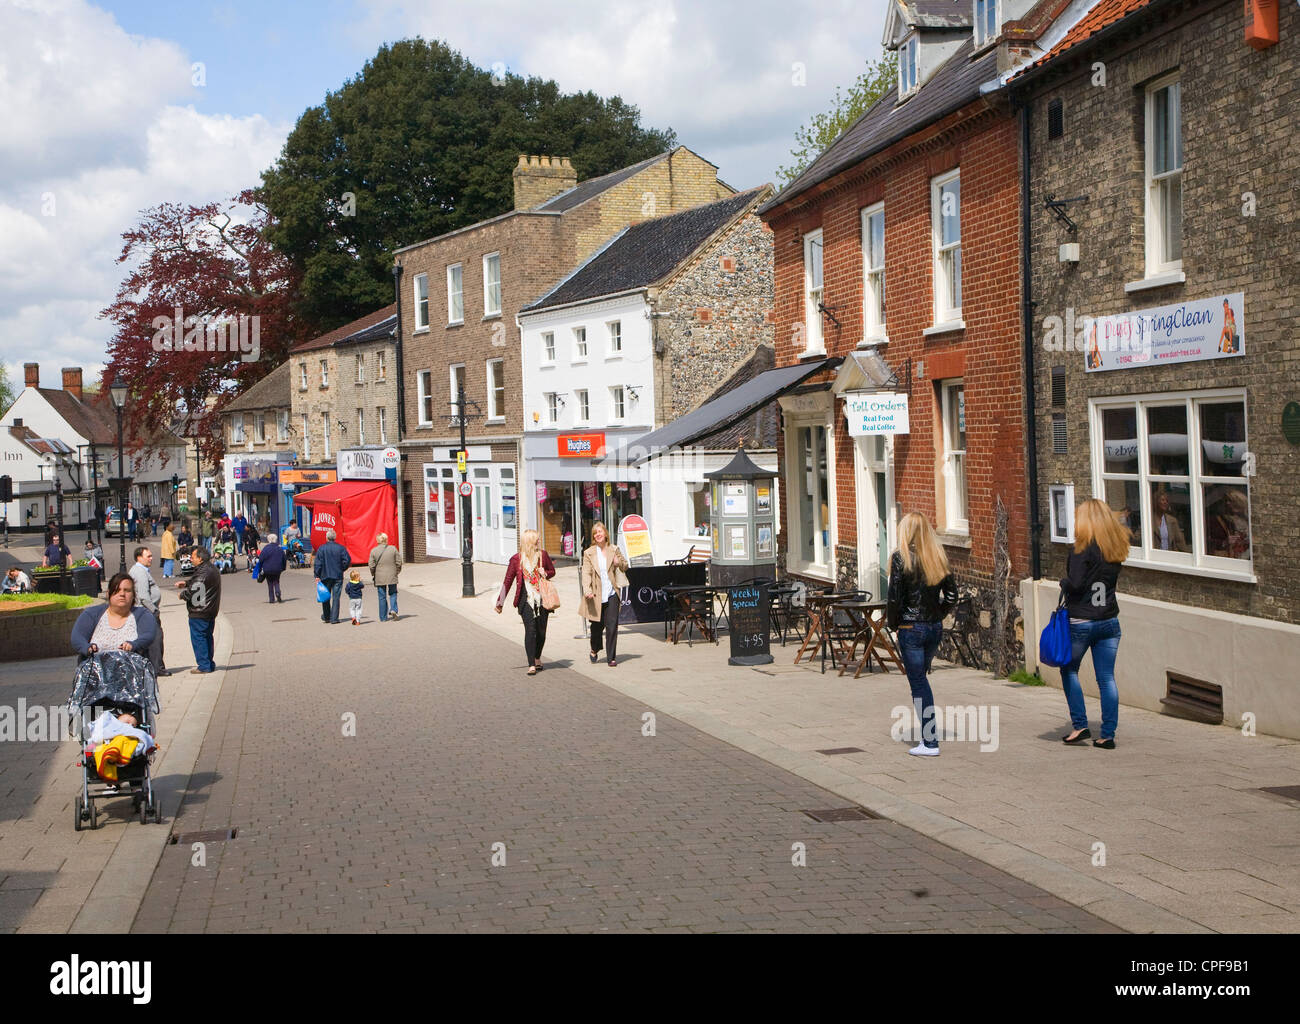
[(32, 375), (72, 381), (539, 178)]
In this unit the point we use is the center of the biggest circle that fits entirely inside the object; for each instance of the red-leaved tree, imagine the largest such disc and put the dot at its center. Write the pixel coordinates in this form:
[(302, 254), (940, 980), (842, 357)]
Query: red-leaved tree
[(181, 345)]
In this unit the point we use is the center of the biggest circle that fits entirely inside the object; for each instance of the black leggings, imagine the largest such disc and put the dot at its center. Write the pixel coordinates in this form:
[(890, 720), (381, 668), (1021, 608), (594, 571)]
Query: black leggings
[(534, 630), (608, 625)]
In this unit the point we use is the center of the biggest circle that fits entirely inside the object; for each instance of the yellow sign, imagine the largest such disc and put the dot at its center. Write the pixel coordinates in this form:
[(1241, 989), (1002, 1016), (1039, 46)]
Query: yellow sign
[(462, 460), (609, 489)]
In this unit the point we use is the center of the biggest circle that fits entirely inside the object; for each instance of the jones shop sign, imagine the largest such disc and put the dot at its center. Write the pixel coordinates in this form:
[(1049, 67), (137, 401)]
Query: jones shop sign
[(361, 464), (1184, 333), (876, 412)]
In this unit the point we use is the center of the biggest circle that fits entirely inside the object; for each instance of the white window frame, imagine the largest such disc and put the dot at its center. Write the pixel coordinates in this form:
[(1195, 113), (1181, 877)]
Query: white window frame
[(582, 409), (282, 425), (983, 35), (381, 367), (325, 422), (302, 380), (424, 387), (383, 427), (488, 310), (361, 368), (614, 330), (794, 525), (324, 373), (451, 385), (420, 290), (909, 55), (548, 348), (306, 438), (237, 428), (1144, 554), (815, 343), (955, 499), (552, 408), (259, 427), (947, 312), (580, 344), (455, 294), (361, 426), (617, 404), (496, 381), (1156, 263), (873, 276)]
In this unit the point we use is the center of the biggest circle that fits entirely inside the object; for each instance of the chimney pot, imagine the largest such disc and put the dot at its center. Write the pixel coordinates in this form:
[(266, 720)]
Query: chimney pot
[(541, 177), (32, 375)]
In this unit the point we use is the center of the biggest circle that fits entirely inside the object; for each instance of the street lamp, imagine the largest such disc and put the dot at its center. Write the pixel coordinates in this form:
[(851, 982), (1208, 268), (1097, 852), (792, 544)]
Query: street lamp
[(118, 392)]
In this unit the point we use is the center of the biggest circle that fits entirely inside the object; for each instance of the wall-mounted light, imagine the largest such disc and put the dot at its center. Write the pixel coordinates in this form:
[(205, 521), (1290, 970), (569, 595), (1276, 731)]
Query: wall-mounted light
[(634, 393)]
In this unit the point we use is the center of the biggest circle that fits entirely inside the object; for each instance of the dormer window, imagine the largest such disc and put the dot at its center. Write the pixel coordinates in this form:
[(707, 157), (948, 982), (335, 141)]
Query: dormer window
[(986, 22), (908, 54)]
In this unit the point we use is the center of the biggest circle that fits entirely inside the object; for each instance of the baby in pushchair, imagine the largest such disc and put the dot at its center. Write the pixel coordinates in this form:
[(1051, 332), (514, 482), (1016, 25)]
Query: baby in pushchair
[(223, 556), (115, 700), (297, 552)]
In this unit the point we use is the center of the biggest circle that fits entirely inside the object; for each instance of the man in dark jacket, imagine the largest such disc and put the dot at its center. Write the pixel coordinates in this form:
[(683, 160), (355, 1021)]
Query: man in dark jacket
[(329, 564), (202, 593)]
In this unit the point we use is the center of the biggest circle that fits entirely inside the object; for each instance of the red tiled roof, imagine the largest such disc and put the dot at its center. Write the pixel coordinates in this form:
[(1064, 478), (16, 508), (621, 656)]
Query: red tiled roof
[(326, 340), (1107, 12)]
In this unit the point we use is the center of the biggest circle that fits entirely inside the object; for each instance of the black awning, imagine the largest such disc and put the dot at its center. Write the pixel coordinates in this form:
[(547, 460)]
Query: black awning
[(716, 416)]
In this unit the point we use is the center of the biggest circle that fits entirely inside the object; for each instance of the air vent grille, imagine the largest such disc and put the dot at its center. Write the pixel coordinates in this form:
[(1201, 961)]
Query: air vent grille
[(1058, 434), (1055, 120)]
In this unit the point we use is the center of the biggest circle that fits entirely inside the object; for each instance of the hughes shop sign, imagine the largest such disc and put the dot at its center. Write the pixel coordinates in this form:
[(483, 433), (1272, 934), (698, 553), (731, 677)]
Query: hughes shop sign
[(876, 412), (1184, 333)]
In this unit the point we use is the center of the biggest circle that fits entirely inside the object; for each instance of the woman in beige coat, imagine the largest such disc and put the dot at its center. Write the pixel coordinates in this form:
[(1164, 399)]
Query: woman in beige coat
[(603, 576)]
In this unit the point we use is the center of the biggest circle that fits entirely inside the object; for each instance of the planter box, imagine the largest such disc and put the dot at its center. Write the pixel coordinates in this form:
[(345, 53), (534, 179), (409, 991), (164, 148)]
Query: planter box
[(85, 581), (38, 635), (52, 583)]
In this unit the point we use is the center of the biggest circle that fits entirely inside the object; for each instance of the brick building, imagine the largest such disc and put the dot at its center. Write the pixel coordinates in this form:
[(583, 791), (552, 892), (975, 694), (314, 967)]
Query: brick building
[(1166, 357), (458, 298), (922, 192)]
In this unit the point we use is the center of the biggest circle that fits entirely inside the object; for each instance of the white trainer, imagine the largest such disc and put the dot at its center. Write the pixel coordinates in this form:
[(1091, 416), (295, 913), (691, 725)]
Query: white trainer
[(921, 750)]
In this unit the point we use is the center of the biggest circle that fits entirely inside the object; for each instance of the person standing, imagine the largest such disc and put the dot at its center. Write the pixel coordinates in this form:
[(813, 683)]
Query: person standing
[(240, 523), (1091, 573), (329, 564), (129, 517), (1166, 533), (146, 520), (202, 594), (271, 559), (385, 566), (206, 530), (603, 577), (169, 550), (148, 595), (185, 539), (922, 592), (527, 568), (56, 552)]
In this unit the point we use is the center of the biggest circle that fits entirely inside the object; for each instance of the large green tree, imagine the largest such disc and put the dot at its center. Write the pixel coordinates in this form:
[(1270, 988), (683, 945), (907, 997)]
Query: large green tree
[(813, 138), (422, 142)]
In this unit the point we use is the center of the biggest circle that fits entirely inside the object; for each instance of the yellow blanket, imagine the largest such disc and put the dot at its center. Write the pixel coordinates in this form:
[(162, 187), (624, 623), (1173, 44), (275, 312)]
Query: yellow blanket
[(119, 750)]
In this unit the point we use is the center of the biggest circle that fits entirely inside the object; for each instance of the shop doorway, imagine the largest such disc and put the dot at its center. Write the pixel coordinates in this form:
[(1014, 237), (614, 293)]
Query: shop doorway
[(875, 502)]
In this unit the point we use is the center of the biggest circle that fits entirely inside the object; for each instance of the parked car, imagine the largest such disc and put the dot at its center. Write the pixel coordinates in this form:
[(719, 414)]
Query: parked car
[(112, 522)]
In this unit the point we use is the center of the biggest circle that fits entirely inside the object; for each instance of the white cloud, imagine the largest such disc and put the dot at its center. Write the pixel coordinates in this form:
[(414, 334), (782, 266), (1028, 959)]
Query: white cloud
[(97, 138)]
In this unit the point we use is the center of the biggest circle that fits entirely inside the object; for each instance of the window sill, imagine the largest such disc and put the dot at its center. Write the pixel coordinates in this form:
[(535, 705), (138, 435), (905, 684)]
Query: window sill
[(1205, 572), (819, 572), (953, 539), (579, 361), (495, 419), (1156, 281), (872, 340), (613, 355), (814, 353), (947, 327), (454, 323), (421, 330), (491, 316)]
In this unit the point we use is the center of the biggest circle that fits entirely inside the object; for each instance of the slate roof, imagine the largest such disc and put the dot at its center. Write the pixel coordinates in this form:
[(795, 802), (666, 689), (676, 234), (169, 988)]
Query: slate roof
[(953, 86), (95, 421), (939, 13), (593, 187), (345, 332), (646, 253), (381, 331), (271, 392), (762, 428)]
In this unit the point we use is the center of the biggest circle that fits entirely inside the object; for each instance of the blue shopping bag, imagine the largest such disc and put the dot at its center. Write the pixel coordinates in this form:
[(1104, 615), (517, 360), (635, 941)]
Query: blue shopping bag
[(322, 592), (1055, 648), (257, 570)]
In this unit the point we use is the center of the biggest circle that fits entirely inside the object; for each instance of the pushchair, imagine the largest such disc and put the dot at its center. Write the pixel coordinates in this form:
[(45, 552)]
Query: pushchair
[(223, 556), (108, 684), (297, 552), (183, 564)]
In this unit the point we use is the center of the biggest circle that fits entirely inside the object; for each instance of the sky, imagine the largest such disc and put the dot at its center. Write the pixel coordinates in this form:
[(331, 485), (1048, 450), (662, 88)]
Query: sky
[(115, 107)]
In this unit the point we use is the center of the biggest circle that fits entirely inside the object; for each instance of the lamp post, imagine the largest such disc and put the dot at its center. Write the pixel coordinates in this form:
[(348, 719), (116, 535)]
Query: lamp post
[(118, 392), (467, 541)]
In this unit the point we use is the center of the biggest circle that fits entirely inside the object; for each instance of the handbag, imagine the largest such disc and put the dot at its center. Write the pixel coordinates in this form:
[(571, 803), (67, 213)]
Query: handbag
[(550, 595), (1055, 648), (322, 592)]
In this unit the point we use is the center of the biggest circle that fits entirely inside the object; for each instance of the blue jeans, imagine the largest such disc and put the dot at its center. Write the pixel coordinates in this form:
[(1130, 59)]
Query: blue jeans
[(329, 610), (169, 565), (1102, 637), (916, 646), (387, 597), (201, 641)]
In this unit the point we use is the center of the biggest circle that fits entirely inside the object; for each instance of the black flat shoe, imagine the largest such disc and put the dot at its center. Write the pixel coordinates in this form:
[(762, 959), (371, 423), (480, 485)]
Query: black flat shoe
[(1104, 744), (594, 657), (1086, 734)]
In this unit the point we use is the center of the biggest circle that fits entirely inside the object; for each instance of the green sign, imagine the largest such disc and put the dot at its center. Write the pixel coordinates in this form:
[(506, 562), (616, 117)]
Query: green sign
[(1291, 422)]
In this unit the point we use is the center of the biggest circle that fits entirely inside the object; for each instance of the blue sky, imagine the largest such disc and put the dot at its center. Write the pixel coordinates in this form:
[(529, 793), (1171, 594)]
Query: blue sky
[(102, 120)]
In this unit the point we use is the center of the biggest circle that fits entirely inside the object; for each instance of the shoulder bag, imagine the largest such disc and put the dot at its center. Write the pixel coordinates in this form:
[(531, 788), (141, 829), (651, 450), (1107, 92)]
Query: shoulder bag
[(1055, 648), (546, 587)]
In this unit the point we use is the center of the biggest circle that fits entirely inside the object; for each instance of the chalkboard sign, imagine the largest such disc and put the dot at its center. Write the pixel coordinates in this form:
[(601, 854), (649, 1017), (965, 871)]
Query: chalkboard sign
[(749, 614), (646, 599)]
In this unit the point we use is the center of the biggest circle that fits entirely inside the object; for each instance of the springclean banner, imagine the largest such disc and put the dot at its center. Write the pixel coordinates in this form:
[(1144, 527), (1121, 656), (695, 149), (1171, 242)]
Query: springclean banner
[(1183, 333)]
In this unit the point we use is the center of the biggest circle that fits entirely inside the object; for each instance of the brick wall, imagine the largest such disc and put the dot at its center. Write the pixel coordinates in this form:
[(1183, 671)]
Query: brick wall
[(1239, 126)]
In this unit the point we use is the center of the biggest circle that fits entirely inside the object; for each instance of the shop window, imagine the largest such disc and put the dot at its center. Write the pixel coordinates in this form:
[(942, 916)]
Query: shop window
[(699, 495), (953, 407), (810, 511), (1173, 469)]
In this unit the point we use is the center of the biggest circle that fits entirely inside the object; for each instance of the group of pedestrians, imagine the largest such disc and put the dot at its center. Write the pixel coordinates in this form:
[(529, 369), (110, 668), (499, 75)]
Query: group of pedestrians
[(333, 572)]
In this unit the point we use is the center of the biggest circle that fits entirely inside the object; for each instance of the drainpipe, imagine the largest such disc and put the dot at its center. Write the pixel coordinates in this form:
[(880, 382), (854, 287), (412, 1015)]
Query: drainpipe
[(401, 376), (1027, 326)]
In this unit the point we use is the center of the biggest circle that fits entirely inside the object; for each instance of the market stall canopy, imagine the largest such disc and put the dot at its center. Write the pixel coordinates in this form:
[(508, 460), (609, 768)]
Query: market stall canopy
[(716, 416), (357, 510)]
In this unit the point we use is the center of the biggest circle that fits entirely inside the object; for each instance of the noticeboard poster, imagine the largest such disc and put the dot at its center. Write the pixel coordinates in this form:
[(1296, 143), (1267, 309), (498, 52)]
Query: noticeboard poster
[(736, 542), (764, 542), (734, 500), (763, 499)]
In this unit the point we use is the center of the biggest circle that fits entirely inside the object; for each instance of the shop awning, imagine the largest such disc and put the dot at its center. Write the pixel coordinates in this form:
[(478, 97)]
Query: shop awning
[(721, 413), (357, 510)]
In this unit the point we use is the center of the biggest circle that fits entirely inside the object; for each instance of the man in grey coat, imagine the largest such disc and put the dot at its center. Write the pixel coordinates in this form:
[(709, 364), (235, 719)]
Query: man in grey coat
[(329, 564), (385, 567), (148, 595)]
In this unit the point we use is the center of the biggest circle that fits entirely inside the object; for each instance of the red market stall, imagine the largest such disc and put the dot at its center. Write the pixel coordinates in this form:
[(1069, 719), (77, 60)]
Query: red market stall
[(357, 510)]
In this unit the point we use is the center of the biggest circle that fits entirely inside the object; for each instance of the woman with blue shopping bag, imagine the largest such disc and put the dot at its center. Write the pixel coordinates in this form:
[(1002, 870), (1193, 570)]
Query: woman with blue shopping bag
[(1088, 592)]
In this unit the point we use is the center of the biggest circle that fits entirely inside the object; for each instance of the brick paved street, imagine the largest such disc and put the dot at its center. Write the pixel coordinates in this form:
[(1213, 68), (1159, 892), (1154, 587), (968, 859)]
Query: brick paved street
[(456, 749)]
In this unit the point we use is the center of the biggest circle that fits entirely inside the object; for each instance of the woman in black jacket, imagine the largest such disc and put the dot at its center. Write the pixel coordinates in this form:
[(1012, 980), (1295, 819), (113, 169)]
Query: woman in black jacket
[(922, 592), (1091, 573)]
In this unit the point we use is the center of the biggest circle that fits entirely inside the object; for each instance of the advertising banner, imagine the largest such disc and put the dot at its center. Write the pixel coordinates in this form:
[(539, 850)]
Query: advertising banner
[(1182, 333), (635, 540)]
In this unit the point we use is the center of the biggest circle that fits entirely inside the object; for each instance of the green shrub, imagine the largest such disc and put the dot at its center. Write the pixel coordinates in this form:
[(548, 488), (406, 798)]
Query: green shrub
[(48, 601), (1026, 678)]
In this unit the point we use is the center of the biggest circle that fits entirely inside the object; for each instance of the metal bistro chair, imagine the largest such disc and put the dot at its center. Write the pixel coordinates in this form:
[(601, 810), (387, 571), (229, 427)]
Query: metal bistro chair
[(694, 608), (783, 616), (842, 628)]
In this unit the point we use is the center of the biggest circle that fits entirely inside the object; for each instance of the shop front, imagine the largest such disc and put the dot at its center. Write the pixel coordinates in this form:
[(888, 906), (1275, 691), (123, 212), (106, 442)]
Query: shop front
[(294, 482), (257, 493), (493, 501)]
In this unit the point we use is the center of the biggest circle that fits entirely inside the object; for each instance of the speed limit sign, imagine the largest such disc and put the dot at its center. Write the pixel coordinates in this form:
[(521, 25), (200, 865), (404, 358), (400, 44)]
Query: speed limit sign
[(466, 489)]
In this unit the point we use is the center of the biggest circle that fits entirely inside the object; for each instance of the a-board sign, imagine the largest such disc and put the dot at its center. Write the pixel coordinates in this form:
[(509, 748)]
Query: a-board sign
[(749, 614), (634, 537)]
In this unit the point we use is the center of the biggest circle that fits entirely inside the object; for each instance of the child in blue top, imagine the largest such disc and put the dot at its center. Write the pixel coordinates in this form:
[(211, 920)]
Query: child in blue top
[(355, 588)]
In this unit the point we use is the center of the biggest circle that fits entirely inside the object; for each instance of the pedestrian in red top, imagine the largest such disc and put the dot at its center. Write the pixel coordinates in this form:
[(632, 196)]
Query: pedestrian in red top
[(527, 568)]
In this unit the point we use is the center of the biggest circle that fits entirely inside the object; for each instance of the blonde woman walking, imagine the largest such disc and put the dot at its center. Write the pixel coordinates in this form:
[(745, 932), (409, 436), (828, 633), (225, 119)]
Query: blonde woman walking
[(1091, 573), (922, 592), (527, 568), (603, 576)]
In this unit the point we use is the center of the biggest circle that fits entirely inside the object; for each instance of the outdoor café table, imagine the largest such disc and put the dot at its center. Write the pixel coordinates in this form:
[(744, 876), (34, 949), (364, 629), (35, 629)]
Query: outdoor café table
[(870, 616), (682, 594), (819, 606)]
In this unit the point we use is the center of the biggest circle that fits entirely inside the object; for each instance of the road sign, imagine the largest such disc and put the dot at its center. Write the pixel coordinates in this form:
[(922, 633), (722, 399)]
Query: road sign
[(466, 489), (462, 460)]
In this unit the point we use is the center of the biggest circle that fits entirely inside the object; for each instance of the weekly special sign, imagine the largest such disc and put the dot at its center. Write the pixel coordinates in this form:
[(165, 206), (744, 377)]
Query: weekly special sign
[(1183, 333)]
